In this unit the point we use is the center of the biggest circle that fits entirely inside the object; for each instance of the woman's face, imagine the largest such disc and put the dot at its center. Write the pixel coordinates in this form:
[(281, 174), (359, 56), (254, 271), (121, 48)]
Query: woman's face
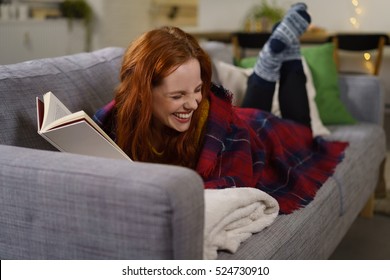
[(177, 97)]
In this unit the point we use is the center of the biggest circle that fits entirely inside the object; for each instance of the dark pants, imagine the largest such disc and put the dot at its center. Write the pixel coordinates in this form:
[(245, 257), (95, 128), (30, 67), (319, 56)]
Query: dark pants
[(293, 100)]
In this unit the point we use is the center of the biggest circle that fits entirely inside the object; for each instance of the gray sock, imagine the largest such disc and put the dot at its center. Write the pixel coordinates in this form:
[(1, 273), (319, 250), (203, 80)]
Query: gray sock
[(283, 43)]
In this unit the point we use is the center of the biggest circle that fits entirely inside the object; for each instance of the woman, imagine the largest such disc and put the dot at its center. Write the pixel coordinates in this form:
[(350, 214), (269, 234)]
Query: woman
[(166, 110)]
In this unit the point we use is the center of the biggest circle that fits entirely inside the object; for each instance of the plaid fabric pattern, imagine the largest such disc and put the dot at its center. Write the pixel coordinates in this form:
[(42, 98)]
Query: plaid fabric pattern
[(105, 119), (252, 148)]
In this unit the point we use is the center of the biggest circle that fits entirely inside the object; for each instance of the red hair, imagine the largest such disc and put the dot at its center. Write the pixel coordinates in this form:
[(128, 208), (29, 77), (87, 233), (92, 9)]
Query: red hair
[(147, 61)]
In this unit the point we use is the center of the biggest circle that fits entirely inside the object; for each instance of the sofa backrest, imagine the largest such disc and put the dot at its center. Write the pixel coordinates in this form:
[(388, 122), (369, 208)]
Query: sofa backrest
[(84, 81)]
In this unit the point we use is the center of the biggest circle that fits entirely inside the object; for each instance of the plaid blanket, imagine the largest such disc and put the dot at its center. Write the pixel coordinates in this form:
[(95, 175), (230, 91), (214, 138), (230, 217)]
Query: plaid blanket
[(252, 148)]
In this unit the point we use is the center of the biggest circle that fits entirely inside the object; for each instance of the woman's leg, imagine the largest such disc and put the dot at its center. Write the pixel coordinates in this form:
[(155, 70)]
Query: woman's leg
[(282, 45), (293, 100), (259, 93)]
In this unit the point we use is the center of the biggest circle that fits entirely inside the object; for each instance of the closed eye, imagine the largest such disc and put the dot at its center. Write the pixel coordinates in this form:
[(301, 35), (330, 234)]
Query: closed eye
[(176, 97)]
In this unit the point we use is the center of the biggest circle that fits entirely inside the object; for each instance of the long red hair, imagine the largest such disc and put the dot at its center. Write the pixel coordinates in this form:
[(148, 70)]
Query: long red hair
[(146, 62)]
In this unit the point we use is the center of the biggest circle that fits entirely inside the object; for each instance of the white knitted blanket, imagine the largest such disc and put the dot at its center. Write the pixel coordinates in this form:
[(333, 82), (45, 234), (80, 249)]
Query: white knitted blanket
[(232, 215)]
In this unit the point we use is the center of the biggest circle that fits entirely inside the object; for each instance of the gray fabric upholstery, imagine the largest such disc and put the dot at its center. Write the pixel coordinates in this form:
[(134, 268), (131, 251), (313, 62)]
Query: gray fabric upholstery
[(63, 206), (363, 97)]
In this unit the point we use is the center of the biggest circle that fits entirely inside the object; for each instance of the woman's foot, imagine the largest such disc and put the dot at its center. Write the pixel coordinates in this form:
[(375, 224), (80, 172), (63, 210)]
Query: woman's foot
[(283, 44)]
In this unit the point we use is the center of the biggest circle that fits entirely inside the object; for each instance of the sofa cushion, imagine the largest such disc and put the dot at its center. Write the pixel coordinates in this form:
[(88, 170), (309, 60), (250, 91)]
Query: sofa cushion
[(233, 78), (325, 78), (82, 81)]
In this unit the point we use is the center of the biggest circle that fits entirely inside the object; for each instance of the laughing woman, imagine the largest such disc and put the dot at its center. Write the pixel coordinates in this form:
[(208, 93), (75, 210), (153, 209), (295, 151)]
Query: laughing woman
[(166, 110)]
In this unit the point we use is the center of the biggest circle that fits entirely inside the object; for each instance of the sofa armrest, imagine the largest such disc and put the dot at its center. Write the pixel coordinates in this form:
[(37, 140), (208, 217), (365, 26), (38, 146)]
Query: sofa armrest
[(64, 206), (363, 95)]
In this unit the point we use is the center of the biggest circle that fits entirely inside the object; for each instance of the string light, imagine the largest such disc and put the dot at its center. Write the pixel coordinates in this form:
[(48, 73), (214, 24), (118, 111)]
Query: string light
[(367, 56), (354, 20), (368, 64)]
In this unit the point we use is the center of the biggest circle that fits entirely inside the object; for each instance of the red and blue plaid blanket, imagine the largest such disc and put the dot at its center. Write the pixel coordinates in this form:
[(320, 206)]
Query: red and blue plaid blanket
[(252, 148)]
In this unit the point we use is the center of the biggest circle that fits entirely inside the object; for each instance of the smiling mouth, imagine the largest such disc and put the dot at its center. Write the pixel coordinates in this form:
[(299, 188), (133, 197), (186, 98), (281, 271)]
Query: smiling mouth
[(182, 116)]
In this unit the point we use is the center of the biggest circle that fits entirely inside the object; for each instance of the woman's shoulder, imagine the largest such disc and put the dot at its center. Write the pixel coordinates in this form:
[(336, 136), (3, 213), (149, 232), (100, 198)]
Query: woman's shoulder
[(221, 92), (221, 108), (104, 112), (104, 117)]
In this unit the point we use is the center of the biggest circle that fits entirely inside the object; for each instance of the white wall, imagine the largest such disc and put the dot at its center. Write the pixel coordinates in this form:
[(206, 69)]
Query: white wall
[(333, 15), (117, 22)]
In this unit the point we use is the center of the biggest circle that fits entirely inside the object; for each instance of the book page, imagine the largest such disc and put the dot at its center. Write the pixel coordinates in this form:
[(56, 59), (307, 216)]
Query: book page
[(81, 138), (53, 109), (77, 117), (60, 121)]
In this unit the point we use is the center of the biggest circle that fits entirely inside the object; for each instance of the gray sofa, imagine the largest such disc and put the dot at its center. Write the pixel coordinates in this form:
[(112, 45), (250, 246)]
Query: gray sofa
[(65, 206)]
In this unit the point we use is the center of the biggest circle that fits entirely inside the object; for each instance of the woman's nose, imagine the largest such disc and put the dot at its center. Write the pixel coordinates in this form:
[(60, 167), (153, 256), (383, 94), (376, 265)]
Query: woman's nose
[(192, 103)]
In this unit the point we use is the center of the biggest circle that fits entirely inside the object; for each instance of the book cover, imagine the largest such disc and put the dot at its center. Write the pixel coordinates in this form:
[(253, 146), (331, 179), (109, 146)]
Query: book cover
[(73, 132)]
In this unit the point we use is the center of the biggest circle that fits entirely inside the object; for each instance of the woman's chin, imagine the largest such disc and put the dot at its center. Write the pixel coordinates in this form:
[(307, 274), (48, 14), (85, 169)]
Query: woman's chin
[(181, 125), (181, 128)]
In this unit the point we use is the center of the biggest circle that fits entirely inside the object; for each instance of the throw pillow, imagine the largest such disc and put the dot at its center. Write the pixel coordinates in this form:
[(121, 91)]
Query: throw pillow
[(325, 79), (235, 79), (247, 62)]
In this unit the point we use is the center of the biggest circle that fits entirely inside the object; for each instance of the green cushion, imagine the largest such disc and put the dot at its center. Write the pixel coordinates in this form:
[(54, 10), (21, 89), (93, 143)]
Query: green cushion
[(247, 62), (325, 79)]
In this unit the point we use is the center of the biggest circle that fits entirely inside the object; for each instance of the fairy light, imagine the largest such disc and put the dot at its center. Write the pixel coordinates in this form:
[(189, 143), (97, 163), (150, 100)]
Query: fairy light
[(367, 62), (354, 20)]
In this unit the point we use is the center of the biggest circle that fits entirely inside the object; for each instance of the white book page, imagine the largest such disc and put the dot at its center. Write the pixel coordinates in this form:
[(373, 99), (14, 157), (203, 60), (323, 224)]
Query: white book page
[(80, 115), (81, 138), (77, 117), (53, 109)]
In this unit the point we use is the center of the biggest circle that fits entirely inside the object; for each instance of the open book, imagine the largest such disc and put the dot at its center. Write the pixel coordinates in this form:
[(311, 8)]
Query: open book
[(73, 132)]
